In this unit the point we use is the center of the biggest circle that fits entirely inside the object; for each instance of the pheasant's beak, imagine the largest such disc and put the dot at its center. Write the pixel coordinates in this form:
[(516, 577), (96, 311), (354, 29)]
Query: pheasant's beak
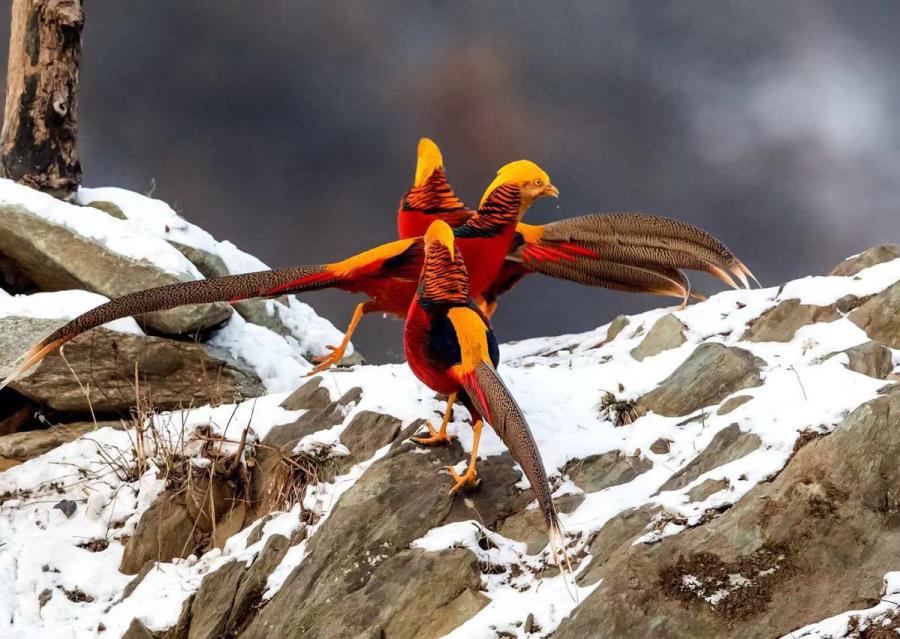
[(441, 233), (550, 190)]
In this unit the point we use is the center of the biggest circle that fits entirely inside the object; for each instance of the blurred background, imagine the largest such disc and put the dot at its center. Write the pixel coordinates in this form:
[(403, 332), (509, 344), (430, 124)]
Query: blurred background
[(290, 128)]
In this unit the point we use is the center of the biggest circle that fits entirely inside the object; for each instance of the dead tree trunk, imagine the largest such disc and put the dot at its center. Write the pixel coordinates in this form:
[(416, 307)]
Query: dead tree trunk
[(40, 123)]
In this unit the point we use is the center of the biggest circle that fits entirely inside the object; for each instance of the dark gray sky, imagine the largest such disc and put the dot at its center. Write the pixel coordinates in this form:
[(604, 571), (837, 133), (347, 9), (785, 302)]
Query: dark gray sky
[(290, 128)]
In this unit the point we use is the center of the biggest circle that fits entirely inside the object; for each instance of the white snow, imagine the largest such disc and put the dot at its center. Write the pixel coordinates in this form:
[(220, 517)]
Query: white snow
[(94, 224), (558, 381)]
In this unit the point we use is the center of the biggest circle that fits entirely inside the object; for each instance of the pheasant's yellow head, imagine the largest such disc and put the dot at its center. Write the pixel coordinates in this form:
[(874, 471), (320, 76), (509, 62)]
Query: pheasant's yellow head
[(528, 178), (429, 160)]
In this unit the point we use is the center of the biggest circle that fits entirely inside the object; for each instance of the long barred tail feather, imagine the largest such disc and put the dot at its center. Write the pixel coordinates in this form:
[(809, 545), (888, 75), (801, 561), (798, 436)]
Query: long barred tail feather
[(229, 288), (650, 241), (492, 398)]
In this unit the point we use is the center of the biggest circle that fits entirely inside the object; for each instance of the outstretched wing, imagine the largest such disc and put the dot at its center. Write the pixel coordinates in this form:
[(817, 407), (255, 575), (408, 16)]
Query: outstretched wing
[(636, 239), (400, 259), (630, 252)]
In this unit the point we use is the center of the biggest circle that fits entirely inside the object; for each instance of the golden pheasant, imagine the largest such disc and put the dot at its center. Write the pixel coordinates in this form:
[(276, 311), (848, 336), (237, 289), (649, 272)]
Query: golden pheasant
[(451, 348), (630, 252), (387, 274)]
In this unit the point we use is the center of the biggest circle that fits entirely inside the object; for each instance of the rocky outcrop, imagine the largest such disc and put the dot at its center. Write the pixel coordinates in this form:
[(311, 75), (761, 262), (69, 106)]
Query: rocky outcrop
[(665, 334), (57, 258), (326, 594), (879, 317), (357, 580), (780, 323), (98, 371), (766, 566), (869, 358), (165, 531), (308, 395), (26, 445), (711, 373), (597, 472), (726, 446), (870, 257)]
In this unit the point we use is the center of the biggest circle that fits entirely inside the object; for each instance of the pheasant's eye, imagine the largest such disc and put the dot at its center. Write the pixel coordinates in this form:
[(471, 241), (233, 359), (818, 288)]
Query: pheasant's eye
[(538, 182)]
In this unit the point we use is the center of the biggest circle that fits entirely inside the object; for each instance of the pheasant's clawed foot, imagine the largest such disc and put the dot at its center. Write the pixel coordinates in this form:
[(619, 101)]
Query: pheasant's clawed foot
[(435, 438), (324, 362), (469, 479)]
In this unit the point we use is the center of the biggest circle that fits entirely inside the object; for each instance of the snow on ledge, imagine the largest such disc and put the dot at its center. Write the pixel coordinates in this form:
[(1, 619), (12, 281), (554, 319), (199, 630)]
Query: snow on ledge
[(94, 224)]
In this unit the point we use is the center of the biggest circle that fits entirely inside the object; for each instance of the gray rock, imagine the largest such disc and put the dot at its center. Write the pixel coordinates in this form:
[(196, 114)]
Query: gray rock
[(597, 472), (879, 316), (455, 613), (780, 323), (615, 327), (528, 527), (711, 373), (29, 444), (165, 531), (833, 510), (214, 600), (308, 395), (413, 595), (732, 403), (727, 445), (615, 535), (706, 488), (869, 358), (363, 573), (137, 630), (57, 258), (661, 446), (366, 433), (175, 373), (110, 208), (253, 583), (666, 333), (869, 257)]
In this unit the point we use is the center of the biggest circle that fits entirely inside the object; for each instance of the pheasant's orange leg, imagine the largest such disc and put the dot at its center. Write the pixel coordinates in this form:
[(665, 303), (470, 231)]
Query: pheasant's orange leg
[(470, 477), (337, 352), (439, 436)]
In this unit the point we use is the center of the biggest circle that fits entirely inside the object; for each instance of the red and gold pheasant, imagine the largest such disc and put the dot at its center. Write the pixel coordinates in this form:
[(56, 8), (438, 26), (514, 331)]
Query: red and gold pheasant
[(388, 274), (630, 252), (451, 348)]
